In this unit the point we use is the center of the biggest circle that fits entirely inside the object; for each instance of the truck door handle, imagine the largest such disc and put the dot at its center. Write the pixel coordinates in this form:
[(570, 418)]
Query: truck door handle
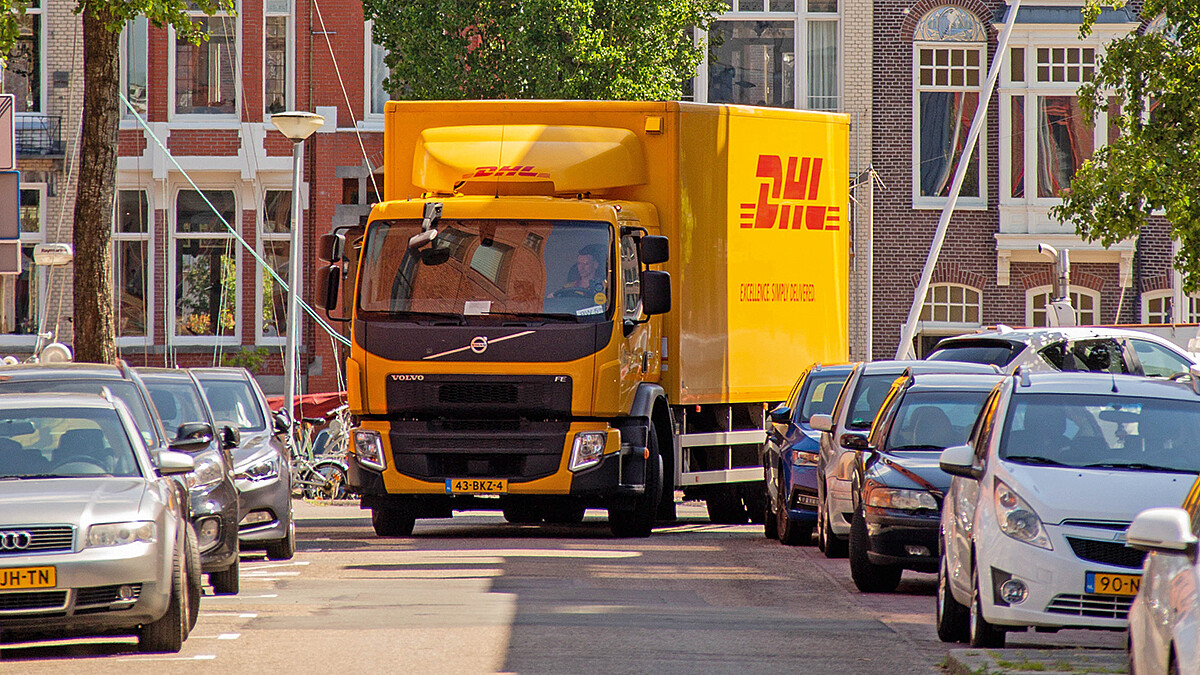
[(645, 362)]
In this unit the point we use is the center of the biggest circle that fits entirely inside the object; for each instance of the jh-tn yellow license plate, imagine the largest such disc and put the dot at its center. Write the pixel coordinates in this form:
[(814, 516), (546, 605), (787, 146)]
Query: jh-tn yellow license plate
[(1111, 584), (18, 578), (476, 486)]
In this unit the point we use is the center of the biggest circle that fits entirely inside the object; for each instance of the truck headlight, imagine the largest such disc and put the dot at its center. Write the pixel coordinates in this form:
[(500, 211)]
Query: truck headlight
[(259, 471), (368, 447), (1018, 519), (803, 458), (900, 498), (208, 472), (587, 450), (117, 534)]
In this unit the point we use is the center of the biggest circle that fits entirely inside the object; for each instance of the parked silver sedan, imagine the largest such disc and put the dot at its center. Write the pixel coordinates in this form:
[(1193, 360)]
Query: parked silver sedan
[(93, 536)]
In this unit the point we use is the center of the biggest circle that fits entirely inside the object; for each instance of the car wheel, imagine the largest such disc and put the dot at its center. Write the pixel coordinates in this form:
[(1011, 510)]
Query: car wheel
[(195, 579), (982, 634), (952, 616), (832, 545), (171, 629), (867, 576), (789, 533), (228, 581), (769, 523), (283, 549), (639, 521), (392, 521)]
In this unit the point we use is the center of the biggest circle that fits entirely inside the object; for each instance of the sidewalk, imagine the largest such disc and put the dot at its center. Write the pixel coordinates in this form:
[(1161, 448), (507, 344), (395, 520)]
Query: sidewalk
[(1045, 661)]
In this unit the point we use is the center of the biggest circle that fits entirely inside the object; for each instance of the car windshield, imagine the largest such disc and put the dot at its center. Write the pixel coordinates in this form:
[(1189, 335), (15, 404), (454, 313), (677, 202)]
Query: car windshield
[(123, 389), (868, 396), (934, 420), (177, 402), (64, 443), (1103, 431), (996, 354), (820, 393), (548, 269), (233, 402)]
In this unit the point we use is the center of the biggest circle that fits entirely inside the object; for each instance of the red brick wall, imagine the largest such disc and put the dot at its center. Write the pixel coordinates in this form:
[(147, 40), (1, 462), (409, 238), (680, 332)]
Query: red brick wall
[(131, 143), (204, 142)]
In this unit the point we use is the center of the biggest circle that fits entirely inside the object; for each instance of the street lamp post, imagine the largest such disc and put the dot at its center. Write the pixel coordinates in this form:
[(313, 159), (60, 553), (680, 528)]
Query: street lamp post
[(297, 126)]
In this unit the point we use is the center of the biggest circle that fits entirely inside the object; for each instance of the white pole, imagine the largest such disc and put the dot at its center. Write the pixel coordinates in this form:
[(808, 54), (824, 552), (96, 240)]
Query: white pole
[(292, 356), (870, 263), (905, 348)]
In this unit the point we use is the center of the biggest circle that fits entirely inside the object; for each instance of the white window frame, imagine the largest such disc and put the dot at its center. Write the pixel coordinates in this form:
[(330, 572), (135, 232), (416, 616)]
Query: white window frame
[(1193, 308), (40, 12), (173, 237), (800, 18), (127, 119), (262, 236), (8, 281), (148, 238), (928, 325), (370, 117), (207, 118), (965, 202), (290, 80), (1075, 292), (1167, 295)]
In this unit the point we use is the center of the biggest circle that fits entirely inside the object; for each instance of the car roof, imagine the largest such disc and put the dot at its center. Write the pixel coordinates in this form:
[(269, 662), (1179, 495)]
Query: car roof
[(222, 372), (836, 368), (55, 400), (955, 381), (37, 371), (149, 374), (898, 367), (1076, 382), (1027, 335)]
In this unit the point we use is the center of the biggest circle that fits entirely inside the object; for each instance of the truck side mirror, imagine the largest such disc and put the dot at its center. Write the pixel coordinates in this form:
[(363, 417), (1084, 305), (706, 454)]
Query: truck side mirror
[(653, 249), (331, 247), (656, 292), (329, 287)]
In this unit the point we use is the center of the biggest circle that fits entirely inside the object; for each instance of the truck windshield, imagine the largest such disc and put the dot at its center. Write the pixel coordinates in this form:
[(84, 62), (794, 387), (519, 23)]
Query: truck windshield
[(527, 268)]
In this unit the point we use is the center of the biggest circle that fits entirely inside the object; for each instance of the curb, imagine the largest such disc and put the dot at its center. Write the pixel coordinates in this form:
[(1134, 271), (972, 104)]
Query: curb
[(1066, 661)]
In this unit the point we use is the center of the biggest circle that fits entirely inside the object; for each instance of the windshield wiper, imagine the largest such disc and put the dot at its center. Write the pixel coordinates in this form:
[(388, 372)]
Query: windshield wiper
[(458, 319), (536, 316), (1034, 459), (916, 447), (1137, 466), (35, 475)]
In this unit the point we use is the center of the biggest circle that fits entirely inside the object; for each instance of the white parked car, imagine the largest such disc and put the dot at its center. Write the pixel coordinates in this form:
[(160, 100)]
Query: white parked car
[(1164, 622), (1033, 526)]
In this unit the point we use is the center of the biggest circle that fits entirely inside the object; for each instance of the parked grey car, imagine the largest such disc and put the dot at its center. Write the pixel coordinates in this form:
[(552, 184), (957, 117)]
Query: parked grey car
[(94, 536), (262, 467)]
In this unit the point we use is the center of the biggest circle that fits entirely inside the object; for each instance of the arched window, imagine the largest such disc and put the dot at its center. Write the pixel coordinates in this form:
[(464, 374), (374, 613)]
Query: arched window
[(949, 51), (1085, 301), (1156, 306), (952, 303)]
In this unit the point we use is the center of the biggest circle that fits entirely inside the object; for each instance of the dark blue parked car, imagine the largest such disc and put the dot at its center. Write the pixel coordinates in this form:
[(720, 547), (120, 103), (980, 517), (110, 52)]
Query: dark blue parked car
[(791, 451)]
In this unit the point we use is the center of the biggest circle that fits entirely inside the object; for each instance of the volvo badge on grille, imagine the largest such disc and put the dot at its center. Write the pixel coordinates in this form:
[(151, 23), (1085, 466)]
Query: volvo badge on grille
[(15, 540), (479, 344)]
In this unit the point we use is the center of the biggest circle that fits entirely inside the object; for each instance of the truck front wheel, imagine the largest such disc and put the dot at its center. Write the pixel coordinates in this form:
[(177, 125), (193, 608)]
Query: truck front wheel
[(392, 521), (639, 521)]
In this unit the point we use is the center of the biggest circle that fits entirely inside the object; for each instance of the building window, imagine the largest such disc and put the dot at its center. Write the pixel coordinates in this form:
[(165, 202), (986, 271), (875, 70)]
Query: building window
[(948, 71), (1193, 309), (131, 251), (24, 66), (205, 74), (22, 293), (206, 256), (1156, 307), (952, 303), (134, 65), (275, 247), (276, 48), (377, 72), (1085, 301)]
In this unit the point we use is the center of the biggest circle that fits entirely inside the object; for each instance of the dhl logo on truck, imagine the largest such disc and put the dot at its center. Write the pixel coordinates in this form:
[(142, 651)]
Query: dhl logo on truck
[(800, 183), (503, 171)]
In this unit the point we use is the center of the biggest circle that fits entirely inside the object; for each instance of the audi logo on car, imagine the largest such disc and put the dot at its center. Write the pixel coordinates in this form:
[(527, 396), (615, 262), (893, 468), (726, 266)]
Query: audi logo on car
[(16, 540)]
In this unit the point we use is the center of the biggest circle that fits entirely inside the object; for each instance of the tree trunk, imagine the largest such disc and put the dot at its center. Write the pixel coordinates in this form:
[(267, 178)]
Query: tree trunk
[(95, 340)]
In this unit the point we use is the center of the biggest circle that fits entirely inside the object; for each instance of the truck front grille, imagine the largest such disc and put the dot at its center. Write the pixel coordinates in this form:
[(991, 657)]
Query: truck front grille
[(440, 450), (481, 392)]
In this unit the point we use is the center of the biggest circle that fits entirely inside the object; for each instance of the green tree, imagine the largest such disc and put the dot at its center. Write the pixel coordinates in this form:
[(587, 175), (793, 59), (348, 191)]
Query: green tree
[(560, 49), (1154, 167), (103, 20)]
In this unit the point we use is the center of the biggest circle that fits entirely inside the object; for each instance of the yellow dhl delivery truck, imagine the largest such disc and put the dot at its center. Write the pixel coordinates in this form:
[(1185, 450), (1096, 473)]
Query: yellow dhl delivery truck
[(564, 305)]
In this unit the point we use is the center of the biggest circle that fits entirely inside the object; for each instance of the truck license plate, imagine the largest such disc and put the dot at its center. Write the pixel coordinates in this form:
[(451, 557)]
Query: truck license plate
[(476, 486), (1111, 584), (18, 578)]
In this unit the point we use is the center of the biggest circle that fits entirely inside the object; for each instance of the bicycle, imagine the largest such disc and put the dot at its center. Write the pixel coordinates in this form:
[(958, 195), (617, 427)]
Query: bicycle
[(318, 460)]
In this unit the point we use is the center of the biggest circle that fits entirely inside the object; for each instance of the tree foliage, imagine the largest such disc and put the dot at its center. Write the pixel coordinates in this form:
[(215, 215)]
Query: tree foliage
[(1154, 166), (557, 49)]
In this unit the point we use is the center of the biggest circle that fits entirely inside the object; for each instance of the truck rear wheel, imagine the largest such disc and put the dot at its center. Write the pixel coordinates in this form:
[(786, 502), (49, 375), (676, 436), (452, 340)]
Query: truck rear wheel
[(522, 514), (639, 521), (725, 506), (391, 521)]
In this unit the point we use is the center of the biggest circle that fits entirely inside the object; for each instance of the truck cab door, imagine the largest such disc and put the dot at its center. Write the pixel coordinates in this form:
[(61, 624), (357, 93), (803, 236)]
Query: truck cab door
[(637, 358)]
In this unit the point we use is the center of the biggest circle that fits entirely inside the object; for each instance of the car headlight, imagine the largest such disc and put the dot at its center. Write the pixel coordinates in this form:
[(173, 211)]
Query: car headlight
[(117, 534), (804, 458), (587, 450), (208, 472), (368, 446), (900, 498), (1018, 519), (259, 471)]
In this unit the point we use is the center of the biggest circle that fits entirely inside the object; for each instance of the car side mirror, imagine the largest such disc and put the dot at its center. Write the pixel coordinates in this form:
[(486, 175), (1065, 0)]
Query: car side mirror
[(821, 422), (656, 292), (781, 415), (1161, 529), (959, 460), (192, 437), (172, 463), (282, 421), (231, 437), (856, 442)]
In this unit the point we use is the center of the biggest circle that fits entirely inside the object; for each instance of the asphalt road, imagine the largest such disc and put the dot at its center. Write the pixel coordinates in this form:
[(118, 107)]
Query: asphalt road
[(475, 594)]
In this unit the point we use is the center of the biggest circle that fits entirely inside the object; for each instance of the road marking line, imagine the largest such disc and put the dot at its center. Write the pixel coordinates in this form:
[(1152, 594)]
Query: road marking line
[(264, 566), (229, 636), (198, 657), (242, 597), (233, 614), (273, 573)]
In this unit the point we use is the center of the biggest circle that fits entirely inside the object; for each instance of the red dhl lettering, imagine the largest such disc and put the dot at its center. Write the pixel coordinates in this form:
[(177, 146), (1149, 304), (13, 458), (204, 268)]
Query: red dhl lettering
[(800, 182), (506, 171)]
